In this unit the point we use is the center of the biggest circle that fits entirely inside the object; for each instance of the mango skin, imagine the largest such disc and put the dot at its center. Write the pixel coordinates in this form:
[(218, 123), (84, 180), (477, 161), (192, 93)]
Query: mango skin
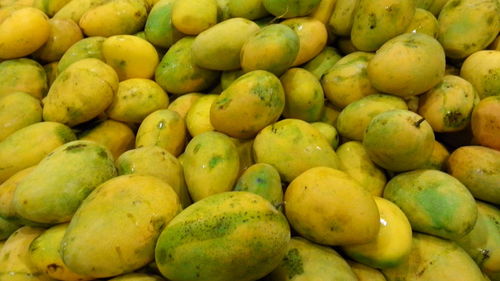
[(29, 145), (329, 132), (342, 17), (81, 92), (407, 65), (23, 75), (90, 47), (438, 158), (219, 47), (73, 169), (18, 110), (366, 273), (251, 10), (159, 29), (148, 202), (257, 99), (115, 136), (376, 22), (485, 122), (194, 16), (293, 146), (182, 104), (137, 277), (424, 22), (7, 190), (228, 245), (63, 34), (478, 168), (289, 8), (7, 227), (158, 162), (178, 74), (305, 260), (321, 64), (431, 258), (331, 192), (467, 26), (312, 37), (482, 70), (434, 202), (45, 257), (198, 116), (211, 165), (50, 7), (264, 180)]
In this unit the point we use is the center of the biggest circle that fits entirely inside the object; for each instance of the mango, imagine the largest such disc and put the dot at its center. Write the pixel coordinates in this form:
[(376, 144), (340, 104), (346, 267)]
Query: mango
[(485, 122), (293, 146), (253, 9), (289, 8), (211, 165), (7, 227), (164, 128), (90, 47), (194, 16), (312, 37), (76, 9), (18, 110), (159, 29), (467, 26), (50, 7), (158, 162), (219, 238), (366, 273), (308, 261), (407, 65), (329, 132), (438, 158), (264, 180), (424, 22), (257, 99), (323, 62), (482, 70), (145, 201), (229, 76), (342, 17), (245, 153), (198, 116), (51, 72), (63, 34), (115, 136), (478, 168), (219, 47), (434, 202), (183, 103), (23, 75), (27, 146), (7, 190)]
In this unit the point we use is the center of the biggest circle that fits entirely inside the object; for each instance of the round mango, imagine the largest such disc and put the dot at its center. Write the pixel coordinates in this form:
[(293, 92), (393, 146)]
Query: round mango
[(485, 122), (63, 34), (193, 16), (290, 8), (482, 70), (18, 110), (264, 180), (312, 37), (23, 75)]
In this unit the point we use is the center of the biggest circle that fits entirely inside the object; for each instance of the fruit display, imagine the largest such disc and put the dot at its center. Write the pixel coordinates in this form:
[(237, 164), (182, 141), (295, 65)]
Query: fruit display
[(249, 140)]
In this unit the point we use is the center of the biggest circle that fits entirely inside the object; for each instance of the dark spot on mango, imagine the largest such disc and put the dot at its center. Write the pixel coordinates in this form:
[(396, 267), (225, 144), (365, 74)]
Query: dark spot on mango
[(75, 148), (372, 20), (102, 154), (454, 119), (293, 263), (454, 3), (53, 267)]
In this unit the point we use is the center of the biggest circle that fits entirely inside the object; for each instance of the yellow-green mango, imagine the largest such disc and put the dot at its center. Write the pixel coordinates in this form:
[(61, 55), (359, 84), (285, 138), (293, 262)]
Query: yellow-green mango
[(178, 74), (483, 242), (76, 8), (482, 70), (53, 191), (293, 146), (312, 37), (273, 48), (478, 168), (7, 190), (485, 122), (137, 277), (304, 97), (155, 161), (324, 10), (51, 72), (50, 7), (329, 132), (434, 202), (219, 47), (347, 81), (198, 116), (256, 99), (407, 65), (328, 207), (63, 34), (194, 16), (264, 180), (7, 227), (211, 165), (366, 273), (18, 110), (27, 146), (45, 256), (90, 47), (393, 242), (164, 128), (159, 29), (220, 238), (146, 202), (223, 10), (114, 17), (81, 92), (245, 153), (438, 157), (135, 99), (448, 106), (375, 22), (399, 140), (228, 77), (183, 103), (436, 6), (249, 9), (15, 264), (424, 22), (306, 261), (342, 17), (355, 117), (432, 258), (115, 136), (290, 8), (22, 75), (323, 62), (330, 114), (467, 26), (356, 162)]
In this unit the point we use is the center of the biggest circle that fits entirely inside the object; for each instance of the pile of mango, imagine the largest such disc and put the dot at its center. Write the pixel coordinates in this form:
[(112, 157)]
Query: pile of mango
[(243, 140)]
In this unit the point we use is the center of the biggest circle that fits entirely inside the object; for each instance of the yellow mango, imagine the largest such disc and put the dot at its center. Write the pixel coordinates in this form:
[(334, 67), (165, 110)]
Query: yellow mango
[(211, 165), (63, 34), (159, 29), (324, 10), (18, 110), (183, 103), (130, 56), (158, 162), (115, 136), (27, 146), (366, 273), (145, 201), (75, 9), (22, 31), (198, 115), (194, 16), (340, 22), (319, 201), (164, 128), (482, 70), (312, 37), (23, 75), (90, 47), (424, 22), (485, 122)]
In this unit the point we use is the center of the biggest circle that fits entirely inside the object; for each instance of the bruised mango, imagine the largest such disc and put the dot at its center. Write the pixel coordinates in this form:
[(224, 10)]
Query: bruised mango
[(18, 110)]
